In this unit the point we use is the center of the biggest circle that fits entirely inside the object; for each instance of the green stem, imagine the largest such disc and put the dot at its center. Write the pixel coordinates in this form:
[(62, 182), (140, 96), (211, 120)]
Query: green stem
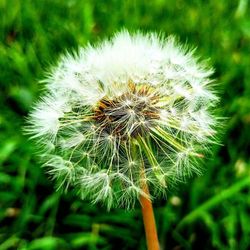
[(145, 147), (214, 201)]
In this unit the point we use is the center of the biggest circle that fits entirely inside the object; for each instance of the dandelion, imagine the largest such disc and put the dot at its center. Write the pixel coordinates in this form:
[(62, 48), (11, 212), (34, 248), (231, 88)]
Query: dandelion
[(133, 114)]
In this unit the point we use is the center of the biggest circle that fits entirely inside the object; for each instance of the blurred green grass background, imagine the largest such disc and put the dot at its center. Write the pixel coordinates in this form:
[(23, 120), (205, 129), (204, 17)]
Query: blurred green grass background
[(210, 212)]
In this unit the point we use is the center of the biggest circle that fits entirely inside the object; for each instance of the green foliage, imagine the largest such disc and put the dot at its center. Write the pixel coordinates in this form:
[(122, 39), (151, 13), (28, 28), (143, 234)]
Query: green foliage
[(211, 211)]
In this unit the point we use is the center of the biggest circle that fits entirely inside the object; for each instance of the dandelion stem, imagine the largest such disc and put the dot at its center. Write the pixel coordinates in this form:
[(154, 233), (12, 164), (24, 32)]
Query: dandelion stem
[(149, 220), (146, 204)]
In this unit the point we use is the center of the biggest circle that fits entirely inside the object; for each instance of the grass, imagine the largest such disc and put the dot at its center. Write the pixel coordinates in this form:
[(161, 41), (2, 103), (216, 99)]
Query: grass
[(211, 211)]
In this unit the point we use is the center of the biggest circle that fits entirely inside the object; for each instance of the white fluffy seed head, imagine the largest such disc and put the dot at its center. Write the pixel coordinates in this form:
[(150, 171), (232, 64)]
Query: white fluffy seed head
[(136, 108)]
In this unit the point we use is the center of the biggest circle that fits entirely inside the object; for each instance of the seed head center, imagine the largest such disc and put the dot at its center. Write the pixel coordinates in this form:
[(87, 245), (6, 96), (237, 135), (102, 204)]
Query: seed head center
[(129, 114)]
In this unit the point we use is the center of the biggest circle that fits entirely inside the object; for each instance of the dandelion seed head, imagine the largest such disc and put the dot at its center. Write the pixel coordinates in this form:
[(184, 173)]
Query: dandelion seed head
[(135, 108)]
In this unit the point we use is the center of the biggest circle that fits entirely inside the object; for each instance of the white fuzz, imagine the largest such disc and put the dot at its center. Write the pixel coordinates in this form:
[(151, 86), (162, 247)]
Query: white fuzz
[(134, 109)]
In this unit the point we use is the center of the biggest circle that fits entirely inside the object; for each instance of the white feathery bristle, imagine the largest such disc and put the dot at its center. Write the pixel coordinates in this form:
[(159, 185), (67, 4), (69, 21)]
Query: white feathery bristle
[(44, 119)]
